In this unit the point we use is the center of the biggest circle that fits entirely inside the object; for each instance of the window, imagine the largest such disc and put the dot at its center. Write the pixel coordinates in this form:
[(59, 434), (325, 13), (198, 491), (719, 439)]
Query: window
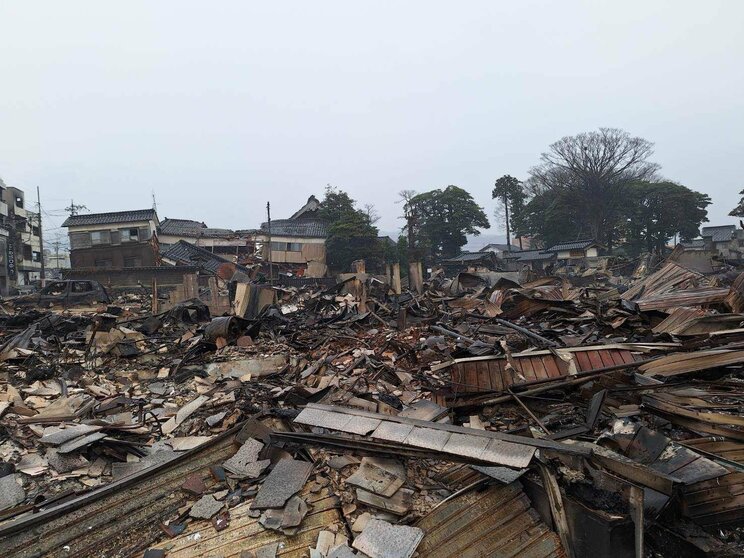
[(35, 256), (82, 287), (104, 264), (27, 252), (130, 235), (56, 288), (19, 201), (286, 246), (35, 230), (100, 237), (576, 254)]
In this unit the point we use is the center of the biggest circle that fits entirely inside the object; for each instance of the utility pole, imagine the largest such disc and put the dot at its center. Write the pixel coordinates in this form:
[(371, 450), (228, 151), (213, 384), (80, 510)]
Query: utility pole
[(271, 265), (73, 209), (41, 239), (508, 232), (56, 245)]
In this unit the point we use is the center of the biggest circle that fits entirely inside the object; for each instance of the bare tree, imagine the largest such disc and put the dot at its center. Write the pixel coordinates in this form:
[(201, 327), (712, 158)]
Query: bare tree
[(592, 170), (372, 214)]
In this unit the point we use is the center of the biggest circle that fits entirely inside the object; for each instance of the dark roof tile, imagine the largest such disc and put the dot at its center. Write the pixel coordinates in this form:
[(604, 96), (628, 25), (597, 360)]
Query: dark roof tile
[(574, 245), (184, 253), (290, 227), (111, 218)]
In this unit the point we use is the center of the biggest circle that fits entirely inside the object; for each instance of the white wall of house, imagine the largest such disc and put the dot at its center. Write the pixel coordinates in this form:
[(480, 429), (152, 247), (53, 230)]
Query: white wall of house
[(591, 252), (203, 241), (114, 227)]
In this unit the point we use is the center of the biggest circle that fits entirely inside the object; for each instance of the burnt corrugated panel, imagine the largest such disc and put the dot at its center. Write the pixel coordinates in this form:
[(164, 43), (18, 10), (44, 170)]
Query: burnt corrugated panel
[(687, 297), (493, 374), (679, 319), (245, 533), (716, 502), (721, 500), (498, 522), (118, 520)]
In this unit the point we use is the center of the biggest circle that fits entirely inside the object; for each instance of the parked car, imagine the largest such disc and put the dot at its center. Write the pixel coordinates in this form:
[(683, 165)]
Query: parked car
[(65, 293)]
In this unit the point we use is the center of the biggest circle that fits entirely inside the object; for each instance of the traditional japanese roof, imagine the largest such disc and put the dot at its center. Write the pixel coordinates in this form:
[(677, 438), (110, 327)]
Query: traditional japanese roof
[(470, 257), (290, 227), (111, 218), (530, 255), (184, 253), (575, 245), (500, 247), (692, 244), (181, 227), (721, 233), (310, 209)]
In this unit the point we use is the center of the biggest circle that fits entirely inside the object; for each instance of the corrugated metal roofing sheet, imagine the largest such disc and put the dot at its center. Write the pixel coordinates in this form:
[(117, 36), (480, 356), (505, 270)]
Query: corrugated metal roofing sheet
[(120, 519), (245, 533), (669, 278), (685, 297), (497, 522), (477, 374)]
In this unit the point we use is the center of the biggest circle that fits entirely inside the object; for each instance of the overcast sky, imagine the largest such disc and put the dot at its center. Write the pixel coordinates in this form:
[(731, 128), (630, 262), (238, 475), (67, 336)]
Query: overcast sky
[(219, 107)]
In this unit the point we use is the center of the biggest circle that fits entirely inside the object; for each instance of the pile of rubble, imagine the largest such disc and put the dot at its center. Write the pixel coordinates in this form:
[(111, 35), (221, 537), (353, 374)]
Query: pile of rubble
[(483, 417)]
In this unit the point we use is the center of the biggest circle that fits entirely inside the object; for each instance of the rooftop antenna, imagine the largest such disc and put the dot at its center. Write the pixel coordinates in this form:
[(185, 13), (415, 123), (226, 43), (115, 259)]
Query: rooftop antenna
[(154, 203)]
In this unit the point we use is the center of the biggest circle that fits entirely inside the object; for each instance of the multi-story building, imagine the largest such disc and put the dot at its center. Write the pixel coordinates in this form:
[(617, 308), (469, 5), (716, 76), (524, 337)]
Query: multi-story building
[(225, 242), (117, 240), (297, 243), (22, 239)]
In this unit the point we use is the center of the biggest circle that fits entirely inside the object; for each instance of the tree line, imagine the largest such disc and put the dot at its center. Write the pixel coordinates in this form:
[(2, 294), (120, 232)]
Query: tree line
[(598, 185)]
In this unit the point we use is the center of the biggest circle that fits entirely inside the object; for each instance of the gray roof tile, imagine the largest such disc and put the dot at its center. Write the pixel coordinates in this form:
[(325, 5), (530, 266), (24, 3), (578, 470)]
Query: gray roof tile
[(310, 228), (112, 217), (721, 233), (184, 253), (574, 245)]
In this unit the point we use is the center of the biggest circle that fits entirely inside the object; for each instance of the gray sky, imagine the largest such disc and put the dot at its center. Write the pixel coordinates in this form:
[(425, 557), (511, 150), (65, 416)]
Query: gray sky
[(221, 106)]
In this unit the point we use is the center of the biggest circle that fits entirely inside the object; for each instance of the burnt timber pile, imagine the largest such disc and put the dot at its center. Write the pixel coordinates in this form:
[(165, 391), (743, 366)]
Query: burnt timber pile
[(558, 417)]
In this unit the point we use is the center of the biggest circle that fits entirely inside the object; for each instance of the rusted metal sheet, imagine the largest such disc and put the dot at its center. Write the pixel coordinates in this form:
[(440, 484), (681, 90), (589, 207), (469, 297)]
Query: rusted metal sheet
[(118, 520), (478, 374), (735, 300), (670, 277), (697, 321), (718, 501), (496, 522), (245, 533), (677, 410), (687, 297), (683, 363), (678, 320)]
